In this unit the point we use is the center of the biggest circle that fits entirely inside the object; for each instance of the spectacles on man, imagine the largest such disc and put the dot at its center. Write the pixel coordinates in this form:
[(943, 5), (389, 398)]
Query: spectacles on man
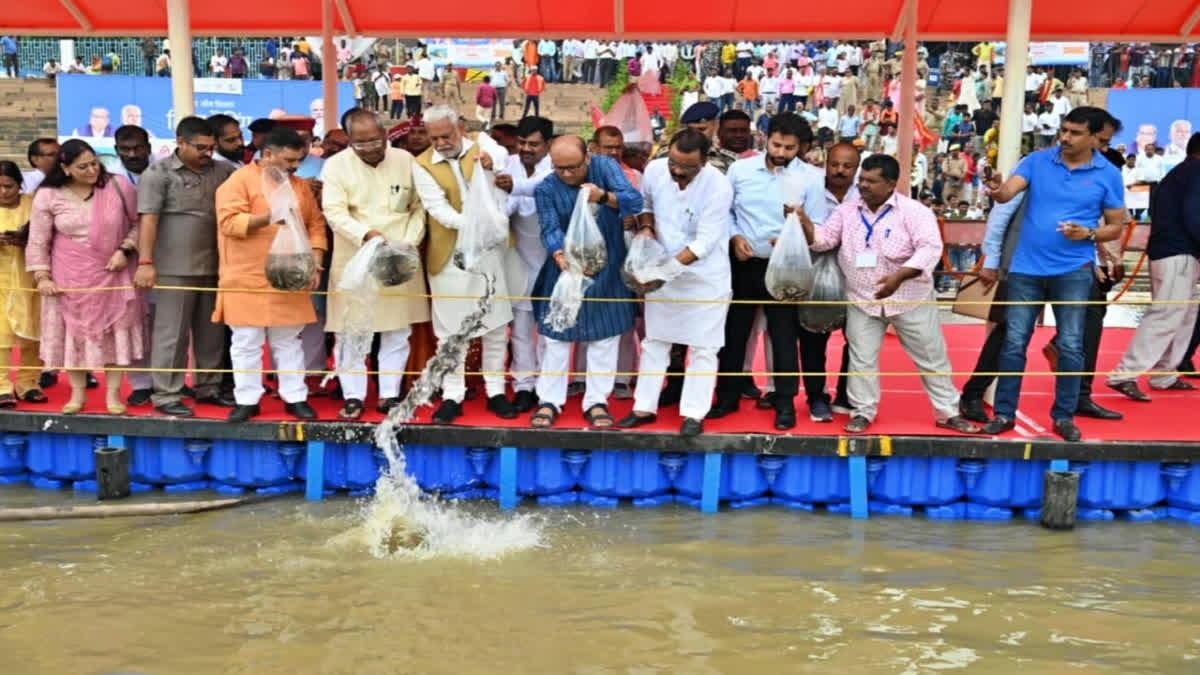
[(368, 145), (683, 168), (570, 169), (202, 148)]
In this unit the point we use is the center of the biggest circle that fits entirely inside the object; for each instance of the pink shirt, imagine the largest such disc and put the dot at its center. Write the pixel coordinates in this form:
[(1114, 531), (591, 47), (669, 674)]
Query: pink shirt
[(787, 85), (905, 236)]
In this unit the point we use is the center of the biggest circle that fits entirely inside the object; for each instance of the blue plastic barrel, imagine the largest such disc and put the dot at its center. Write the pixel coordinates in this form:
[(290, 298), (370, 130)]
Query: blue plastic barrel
[(624, 473), (1012, 483), (1121, 485), (917, 481)]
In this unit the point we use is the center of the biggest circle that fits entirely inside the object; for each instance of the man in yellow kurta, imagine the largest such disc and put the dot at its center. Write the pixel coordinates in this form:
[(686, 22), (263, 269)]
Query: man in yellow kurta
[(369, 193), (246, 229)]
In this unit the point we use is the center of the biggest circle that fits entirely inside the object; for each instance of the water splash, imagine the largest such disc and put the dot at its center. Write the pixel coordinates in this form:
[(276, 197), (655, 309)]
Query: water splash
[(399, 522)]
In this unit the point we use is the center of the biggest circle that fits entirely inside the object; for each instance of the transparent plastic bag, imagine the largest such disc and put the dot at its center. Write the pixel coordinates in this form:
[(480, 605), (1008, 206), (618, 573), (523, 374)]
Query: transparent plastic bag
[(359, 291), (829, 284), (584, 244), (566, 299), (394, 263), (790, 270), (648, 266), (486, 227), (629, 114), (290, 265)]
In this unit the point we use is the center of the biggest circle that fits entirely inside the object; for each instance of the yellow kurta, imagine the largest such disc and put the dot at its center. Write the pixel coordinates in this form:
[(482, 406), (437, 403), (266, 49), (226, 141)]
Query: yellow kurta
[(358, 198), (243, 253), (22, 310)]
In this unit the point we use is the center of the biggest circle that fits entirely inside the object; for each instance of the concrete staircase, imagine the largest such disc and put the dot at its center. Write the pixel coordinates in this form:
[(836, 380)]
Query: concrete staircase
[(28, 110), (566, 104)]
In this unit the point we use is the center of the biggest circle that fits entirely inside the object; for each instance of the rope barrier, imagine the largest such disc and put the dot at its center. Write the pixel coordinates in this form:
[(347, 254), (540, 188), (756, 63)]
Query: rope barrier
[(715, 301), (572, 373)]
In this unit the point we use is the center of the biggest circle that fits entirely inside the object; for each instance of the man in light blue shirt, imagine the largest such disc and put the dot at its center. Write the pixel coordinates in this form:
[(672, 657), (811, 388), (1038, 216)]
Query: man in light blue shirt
[(8, 44), (1068, 188), (500, 84), (548, 51), (764, 187)]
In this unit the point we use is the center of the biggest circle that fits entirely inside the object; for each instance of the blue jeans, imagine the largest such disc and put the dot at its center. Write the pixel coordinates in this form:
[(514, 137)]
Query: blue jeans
[(1019, 320)]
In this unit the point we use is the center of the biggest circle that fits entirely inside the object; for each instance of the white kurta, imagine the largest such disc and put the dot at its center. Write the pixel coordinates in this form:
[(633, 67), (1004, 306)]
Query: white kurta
[(358, 198), (523, 217), (448, 313), (696, 218)]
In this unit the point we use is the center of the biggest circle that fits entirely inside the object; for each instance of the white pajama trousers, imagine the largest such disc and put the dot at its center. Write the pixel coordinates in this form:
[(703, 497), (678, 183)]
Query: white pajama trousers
[(601, 363), (495, 348), (527, 348), (697, 388), (246, 354), (393, 358)]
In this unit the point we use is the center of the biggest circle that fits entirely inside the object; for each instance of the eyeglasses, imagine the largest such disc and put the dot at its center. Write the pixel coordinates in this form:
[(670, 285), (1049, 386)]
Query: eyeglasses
[(571, 169), (683, 168), (369, 145), (202, 148)]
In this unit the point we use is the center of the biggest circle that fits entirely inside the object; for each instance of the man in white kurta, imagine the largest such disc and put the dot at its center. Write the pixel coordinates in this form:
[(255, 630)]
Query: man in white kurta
[(524, 172), (369, 193), (445, 168), (687, 207)]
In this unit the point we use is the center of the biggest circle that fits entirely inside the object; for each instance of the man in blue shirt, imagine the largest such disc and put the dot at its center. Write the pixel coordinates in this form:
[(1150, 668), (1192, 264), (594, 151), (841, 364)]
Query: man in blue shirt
[(763, 187), (8, 45), (1069, 188)]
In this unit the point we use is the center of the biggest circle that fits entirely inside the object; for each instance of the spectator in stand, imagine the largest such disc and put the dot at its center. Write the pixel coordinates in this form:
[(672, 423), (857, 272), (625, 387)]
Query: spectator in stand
[(748, 90), (51, 71), (382, 82), (848, 125), (413, 86), (485, 102), (396, 91), (827, 122), (238, 67), (247, 227), (787, 91), (301, 65), (20, 319), (548, 60), (499, 81), (533, 86), (427, 72), (217, 64), (870, 124), (12, 63), (83, 234)]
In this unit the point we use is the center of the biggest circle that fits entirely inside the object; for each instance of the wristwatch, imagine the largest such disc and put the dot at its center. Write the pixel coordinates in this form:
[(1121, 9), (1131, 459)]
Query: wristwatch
[(1091, 235)]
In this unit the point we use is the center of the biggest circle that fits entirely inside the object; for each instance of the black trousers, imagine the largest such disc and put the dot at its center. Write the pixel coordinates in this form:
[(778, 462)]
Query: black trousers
[(782, 326), (989, 355)]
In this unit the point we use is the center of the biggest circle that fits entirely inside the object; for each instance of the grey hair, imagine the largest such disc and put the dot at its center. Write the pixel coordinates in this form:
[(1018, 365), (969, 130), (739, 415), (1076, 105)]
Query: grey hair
[(440, 113), (362, 112)]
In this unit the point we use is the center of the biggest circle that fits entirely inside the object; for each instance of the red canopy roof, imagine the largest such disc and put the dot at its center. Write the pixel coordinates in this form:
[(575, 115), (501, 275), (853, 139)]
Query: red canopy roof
[(1094, 20)]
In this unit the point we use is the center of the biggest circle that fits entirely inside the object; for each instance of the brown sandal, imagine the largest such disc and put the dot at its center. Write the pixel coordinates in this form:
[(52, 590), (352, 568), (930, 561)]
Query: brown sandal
[(960, 424), (594, 418), (352, 410), (544, 417)]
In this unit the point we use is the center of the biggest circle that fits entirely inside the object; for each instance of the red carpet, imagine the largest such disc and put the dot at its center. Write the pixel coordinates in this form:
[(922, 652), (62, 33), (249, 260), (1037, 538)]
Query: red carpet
[(904, 409)]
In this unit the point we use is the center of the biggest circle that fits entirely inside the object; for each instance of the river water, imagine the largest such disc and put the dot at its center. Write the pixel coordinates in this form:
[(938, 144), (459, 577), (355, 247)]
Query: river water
[(285, 586)]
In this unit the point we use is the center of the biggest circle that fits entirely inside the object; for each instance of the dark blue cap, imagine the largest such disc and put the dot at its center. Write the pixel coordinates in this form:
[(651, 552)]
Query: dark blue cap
[(700, 112)]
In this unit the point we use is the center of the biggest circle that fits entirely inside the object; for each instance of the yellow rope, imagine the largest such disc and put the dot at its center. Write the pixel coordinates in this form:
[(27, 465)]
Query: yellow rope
[(886, 301), (571, 373)]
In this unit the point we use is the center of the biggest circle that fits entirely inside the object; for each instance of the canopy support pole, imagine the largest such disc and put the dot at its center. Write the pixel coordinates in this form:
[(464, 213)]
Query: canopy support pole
[(329, 68), (1013, 105), (908, 97), (179, 32)]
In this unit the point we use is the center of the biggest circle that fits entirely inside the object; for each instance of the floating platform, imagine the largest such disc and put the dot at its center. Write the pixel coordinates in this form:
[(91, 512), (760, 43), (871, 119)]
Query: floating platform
[(1146, 467)]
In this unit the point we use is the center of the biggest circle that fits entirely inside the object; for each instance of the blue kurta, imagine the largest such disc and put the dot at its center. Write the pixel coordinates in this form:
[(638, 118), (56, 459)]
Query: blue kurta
[(555, 202)]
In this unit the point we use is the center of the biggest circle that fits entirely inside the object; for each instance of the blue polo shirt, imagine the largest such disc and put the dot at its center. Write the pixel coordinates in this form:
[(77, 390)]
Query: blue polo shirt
[(1055, 194)]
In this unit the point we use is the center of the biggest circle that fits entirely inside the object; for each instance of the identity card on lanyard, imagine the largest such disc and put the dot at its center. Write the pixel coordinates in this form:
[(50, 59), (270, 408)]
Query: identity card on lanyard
[(868, 257)]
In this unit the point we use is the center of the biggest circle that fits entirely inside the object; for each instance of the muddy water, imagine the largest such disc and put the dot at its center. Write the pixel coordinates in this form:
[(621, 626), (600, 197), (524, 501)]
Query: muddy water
[(278, 587)]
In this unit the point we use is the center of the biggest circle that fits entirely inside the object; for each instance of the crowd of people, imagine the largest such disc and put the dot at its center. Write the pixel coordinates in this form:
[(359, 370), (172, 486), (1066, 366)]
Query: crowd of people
[(179, 245)]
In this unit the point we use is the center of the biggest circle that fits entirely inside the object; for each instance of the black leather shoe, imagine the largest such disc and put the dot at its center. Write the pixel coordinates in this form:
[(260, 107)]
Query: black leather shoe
[(524, 401), (999, 425), (300, 410), (139, 397), (385, 405), (92, 382), (48, 379), (972, 409), (242, 413), (785, 418), (634, 420), (175, 409), (1089, 408), (670, 395), (767, 401), (220, 399), (447, 412), (501, 407), (723, 407), (188, 392), (691, 427), (1066, 429), (751, 392)]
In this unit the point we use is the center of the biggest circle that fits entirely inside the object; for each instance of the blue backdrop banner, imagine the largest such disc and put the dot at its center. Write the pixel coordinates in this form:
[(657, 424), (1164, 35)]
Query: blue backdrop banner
[(94, 106), (1163, 117)]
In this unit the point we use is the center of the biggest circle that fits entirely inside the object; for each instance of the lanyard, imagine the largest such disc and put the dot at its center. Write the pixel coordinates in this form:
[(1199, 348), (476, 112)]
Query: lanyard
[(871, 225)]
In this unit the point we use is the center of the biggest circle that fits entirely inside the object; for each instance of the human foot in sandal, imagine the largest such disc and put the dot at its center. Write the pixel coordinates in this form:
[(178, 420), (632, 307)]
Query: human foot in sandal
[(598, 417), (544, 417), (352, 410), (960, 424)]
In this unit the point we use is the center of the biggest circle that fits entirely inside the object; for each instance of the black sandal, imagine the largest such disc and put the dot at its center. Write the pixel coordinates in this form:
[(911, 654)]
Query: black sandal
[(546, 412), (34, 396), (8, 401), (594, 417), (352, 410)]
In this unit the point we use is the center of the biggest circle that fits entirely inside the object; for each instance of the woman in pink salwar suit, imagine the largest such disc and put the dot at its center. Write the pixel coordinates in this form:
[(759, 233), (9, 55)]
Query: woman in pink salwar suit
[(82, 235)]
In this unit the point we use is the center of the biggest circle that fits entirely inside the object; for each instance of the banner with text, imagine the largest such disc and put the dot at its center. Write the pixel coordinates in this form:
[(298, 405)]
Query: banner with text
[(1164, 118), (468, 52), (94, 106)]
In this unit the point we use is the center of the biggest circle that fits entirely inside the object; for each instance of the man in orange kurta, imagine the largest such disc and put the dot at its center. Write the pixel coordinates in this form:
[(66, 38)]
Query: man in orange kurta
[(246, 230)]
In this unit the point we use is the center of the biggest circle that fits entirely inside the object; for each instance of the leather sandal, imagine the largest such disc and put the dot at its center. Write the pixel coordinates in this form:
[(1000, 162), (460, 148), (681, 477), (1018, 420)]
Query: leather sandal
[(352, 410), (595, 418), (545, 416), (960, 424)]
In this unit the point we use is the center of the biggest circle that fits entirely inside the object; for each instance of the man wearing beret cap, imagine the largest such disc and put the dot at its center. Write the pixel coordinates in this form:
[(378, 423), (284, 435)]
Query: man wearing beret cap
[(703, 118)]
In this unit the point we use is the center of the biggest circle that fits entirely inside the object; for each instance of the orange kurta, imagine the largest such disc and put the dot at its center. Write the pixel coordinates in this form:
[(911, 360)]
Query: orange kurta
[(243, 253)]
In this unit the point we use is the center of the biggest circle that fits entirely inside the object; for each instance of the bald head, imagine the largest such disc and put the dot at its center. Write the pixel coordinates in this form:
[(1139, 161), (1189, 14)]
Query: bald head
[(569, 156), (840, 166)]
